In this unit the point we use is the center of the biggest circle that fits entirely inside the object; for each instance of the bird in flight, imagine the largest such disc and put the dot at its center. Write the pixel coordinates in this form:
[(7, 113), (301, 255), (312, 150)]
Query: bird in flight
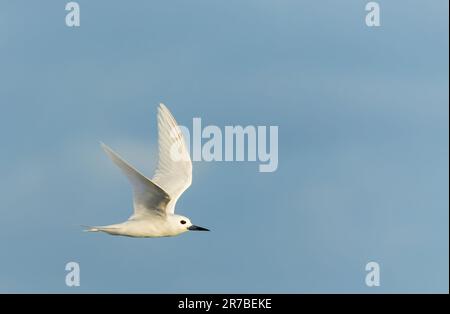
[(154, 200)]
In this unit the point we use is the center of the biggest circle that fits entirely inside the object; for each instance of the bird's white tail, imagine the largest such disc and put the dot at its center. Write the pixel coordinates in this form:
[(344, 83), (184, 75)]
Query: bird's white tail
[(91, 229)]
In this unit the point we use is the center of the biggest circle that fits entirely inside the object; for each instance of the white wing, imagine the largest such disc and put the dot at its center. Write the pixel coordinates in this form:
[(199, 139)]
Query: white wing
[(148, 198), (174, 170)]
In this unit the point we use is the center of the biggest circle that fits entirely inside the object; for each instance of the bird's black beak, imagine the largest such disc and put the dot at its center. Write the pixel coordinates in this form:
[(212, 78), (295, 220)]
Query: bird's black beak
[(197, 228)]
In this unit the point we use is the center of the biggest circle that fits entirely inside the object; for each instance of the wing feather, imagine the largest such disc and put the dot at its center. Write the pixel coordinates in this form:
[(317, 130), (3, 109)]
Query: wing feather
[(174, 169), (148, 197)]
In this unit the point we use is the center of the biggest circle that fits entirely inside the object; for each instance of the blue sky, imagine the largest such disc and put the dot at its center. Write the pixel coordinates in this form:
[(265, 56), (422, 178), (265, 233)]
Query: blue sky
[(363, 144)]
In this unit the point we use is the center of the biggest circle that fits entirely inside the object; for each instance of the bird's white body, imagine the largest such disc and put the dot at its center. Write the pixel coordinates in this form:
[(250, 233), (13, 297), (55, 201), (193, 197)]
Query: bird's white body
[(154, 200), (150, 227)]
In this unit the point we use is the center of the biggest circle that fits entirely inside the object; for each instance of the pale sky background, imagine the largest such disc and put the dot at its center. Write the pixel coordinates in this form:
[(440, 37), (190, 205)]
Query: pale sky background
[(363, 144)]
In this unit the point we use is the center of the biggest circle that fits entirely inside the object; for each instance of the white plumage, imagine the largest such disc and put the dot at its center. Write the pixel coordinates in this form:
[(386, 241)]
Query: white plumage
[(154, 200)]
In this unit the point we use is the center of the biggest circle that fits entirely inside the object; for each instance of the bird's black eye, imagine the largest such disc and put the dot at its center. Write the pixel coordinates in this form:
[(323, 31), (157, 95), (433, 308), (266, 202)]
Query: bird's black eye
[(183, 222)]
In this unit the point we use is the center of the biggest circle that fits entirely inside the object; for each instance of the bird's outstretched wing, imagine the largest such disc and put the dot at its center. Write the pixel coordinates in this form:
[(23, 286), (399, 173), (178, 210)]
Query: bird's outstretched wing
[(148, 198), (174, 170)]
